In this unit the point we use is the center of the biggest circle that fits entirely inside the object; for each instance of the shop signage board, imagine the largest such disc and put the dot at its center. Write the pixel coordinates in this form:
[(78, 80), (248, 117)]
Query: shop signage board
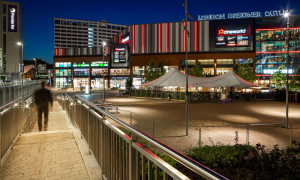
[(239, 15), (12, 18), (232, 36), (119, 55)]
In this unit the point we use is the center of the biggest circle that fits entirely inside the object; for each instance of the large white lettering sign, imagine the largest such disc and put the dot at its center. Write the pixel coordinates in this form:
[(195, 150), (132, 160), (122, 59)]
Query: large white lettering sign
[(242, 15), (12, 18)]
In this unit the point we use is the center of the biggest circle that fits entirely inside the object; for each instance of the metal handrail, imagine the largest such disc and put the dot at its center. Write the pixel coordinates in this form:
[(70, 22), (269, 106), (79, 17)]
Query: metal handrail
[(189, 163)]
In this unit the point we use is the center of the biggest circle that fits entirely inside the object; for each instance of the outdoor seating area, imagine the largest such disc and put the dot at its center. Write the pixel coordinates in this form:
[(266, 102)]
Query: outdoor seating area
[(107, 106)]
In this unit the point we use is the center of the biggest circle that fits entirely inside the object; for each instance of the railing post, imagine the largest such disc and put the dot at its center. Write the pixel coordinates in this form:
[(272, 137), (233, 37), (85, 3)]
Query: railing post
[(132, 160), (88, 141), (153, 129), (130, 118), (247, 134), (199, 135), (291, 136)]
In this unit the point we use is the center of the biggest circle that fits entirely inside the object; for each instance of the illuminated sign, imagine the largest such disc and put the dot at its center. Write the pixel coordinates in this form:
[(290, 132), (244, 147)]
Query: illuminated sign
[(120, 49), (242, 15), (222, 32), (221, 43), (12, 18), (222, 38), (231, 38), (240, 38), (119, 55), (125, 40), (242, 43)]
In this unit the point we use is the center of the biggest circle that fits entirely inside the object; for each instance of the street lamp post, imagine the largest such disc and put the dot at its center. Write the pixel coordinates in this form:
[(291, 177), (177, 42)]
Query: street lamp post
[(103, 45), (22, 65), (287, 15), (35, 67), (186, 64)]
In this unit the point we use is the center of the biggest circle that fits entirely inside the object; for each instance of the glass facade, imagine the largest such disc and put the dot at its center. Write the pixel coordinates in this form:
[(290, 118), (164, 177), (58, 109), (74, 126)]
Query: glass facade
[(271, 45)]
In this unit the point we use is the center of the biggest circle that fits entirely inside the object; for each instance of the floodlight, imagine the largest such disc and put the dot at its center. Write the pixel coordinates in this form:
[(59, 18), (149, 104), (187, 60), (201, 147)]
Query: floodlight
[(183, 4), (19, 43), (190, 16), (104, 43), (286, 15)]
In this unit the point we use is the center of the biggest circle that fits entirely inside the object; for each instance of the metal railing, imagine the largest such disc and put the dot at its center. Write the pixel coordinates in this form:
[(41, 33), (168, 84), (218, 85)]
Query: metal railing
[(9, 93), (15, 118), (119, 155)]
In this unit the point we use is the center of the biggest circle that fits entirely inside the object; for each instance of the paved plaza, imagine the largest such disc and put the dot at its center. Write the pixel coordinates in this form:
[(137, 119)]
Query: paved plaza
[(209, 113), (58, 153)]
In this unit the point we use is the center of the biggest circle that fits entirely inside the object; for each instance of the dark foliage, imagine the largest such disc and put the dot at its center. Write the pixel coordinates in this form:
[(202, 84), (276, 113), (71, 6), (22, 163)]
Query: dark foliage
[(247, 162)]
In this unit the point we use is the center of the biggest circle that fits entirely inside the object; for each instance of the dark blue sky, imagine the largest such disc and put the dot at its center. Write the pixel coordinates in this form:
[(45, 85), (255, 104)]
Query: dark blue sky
[(38, 15)]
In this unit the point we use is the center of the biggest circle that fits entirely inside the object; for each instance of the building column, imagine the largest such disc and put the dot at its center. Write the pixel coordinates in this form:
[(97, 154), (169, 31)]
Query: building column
[(215, 67), (108, 75)]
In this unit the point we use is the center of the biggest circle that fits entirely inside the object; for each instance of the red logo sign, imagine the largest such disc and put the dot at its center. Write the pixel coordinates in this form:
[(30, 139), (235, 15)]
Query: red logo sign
[(221, 31)]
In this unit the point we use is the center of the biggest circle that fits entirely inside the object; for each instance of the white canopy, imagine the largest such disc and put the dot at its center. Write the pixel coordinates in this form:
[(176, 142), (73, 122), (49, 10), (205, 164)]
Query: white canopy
[(177, 78)]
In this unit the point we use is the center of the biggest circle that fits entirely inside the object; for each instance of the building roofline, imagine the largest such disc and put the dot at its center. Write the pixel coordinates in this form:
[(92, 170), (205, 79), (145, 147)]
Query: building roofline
[(58, 18), (15, 3)]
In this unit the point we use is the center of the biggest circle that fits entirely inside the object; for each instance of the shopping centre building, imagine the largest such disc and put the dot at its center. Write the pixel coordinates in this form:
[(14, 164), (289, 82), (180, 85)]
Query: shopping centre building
[(218, 44)]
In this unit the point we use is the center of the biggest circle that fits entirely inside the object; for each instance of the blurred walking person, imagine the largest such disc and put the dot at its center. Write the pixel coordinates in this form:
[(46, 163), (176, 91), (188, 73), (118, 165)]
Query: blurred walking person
[(42, 99)]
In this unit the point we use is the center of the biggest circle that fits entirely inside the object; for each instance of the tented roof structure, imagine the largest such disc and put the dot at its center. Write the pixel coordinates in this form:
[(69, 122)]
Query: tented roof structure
[(177, 78)]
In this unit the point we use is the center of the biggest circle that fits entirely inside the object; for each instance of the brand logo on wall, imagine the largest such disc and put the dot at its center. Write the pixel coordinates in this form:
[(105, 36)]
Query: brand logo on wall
[(223, 32), (240, 38), (119, 49), (12, 18), (125, 40)]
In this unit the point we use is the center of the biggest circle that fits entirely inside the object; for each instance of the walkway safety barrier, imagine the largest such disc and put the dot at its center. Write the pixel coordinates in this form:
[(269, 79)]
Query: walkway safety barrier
[(121, 156), (15, 118), (9, 93)]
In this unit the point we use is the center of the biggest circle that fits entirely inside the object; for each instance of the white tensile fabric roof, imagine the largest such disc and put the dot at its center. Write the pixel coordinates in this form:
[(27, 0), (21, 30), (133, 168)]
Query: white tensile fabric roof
[(177, 78)]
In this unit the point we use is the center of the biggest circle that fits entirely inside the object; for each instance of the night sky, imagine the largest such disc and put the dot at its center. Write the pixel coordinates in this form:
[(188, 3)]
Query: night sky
[(38, 15)]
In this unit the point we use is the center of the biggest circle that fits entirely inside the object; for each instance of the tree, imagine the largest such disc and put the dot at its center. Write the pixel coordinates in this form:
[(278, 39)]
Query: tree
[(197, 70), (295, 83), (236, 68), (279, 79), (128, 84), (245, 72), (154, 71)]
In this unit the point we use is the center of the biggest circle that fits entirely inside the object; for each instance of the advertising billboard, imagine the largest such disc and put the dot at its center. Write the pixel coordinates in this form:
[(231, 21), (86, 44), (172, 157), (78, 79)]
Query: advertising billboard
[(119, 55), (12, 18), (232, 36)]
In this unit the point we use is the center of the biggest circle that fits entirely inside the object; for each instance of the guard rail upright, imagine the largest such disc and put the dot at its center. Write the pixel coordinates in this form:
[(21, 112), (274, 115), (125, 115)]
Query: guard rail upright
[(15, 118)]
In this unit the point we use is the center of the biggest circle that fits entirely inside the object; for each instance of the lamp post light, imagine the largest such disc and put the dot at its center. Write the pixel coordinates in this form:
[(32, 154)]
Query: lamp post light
[(35, 67), (104, 54), (287, 36), (22, 65), (186, 63)]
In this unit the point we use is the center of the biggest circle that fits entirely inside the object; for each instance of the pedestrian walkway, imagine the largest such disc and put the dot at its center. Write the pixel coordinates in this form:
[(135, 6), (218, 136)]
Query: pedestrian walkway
[(58, 153)]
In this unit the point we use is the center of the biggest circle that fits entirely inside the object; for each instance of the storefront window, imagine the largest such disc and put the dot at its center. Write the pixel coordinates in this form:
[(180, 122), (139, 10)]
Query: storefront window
[(223, 70), (136, 70), (244, 61), (99, 72), (63, 82), (206, 61), (119, 72), (63, 72), (63, 64), (81, 72), (190, 62), (118, 83), (209, 71), (224, 61)]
